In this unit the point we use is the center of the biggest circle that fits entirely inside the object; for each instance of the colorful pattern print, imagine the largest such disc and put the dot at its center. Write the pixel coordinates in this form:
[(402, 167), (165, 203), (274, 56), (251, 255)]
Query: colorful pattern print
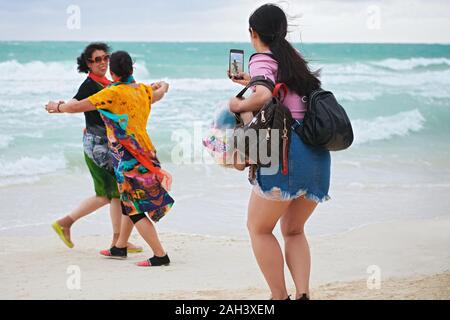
[(137, 168)]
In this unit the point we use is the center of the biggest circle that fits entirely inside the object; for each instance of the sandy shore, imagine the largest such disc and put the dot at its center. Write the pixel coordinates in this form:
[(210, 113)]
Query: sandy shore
[(412, 258)]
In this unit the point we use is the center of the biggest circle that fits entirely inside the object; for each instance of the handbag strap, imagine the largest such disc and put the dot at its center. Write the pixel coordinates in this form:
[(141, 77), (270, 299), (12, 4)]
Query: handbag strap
[(258, 80)]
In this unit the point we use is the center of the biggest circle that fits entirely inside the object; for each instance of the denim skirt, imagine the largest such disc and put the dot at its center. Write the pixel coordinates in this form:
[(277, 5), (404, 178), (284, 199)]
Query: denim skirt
[(308, 173)]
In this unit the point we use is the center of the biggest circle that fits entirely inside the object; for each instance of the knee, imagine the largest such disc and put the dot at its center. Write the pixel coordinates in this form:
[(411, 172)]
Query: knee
[(255, 228), (104, 200), (289, 232)]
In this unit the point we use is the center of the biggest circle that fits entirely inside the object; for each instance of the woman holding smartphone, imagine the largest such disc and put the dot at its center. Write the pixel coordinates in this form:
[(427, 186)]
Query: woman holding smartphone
[(291, 198)]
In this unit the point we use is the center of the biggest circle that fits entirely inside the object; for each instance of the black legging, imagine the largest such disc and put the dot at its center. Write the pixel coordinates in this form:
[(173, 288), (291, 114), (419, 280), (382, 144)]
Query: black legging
[(137, 217)]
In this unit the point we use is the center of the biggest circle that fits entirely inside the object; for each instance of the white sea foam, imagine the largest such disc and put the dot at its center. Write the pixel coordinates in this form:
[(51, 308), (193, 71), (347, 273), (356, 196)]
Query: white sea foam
[(412, 63), (31, 167), (38, 70), (5, 141), (4, 182), (202, 85), (61, 79), (384, 128)]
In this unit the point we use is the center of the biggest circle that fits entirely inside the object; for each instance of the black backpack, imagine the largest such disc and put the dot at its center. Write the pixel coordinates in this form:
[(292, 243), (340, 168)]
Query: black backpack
[(326, 123)]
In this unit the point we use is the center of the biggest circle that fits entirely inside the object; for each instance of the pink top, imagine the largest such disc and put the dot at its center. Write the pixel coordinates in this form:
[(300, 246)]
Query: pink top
[(264, 65)]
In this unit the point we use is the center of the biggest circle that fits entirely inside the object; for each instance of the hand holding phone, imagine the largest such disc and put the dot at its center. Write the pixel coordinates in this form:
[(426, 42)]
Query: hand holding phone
[(236, 64)]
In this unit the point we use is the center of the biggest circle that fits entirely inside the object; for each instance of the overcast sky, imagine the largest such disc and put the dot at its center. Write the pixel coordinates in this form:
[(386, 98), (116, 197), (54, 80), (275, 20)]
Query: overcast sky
[(416, 21)]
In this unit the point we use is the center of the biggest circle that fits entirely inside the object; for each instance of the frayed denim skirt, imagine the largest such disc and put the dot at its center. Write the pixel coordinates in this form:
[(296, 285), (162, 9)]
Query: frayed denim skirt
[(308, 173)]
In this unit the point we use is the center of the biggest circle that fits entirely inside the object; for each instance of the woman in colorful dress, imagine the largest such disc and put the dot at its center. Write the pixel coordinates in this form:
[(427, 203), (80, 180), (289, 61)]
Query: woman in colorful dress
[(143, 185), (94, 61)]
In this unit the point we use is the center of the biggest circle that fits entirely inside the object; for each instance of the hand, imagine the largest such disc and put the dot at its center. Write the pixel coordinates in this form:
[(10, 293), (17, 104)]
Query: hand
[(52, 106), (164, 85), (166, 180), (160, 84), (155, 85), (242, 78), (235, 104)]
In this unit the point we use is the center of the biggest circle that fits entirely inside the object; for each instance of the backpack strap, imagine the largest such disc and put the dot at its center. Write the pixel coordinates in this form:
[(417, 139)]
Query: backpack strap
[(255, 81), (264, 53)]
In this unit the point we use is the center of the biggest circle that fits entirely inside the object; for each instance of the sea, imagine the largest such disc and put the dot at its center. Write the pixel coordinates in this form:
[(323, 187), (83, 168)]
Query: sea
[(396, 95)]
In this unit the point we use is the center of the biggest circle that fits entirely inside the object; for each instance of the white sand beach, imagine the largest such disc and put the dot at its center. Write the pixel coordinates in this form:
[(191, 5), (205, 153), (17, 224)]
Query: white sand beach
[(413, 259)]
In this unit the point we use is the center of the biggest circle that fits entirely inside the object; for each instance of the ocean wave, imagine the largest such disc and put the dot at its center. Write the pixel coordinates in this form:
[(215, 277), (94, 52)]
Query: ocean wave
[(202, 85), (411, 63), (38, 70), (5, 182), (380, 77), (382, 67), (51, 70), (5, 141), (347, 95), (31, 167), (384, 128)]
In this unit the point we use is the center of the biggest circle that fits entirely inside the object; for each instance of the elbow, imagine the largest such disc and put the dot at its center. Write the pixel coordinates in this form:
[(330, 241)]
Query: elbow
[(236, 105), (235, 109)]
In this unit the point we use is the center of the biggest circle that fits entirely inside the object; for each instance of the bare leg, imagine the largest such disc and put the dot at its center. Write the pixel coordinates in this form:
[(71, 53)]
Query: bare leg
[(120, 226), (86, 207), (125, 232), (263, 216), (298, 257), (148, 231), (115, 211)]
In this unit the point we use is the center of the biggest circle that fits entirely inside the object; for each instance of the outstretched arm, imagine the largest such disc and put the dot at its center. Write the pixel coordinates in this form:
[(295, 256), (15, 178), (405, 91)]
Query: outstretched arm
[(159, 90), (73, 106)]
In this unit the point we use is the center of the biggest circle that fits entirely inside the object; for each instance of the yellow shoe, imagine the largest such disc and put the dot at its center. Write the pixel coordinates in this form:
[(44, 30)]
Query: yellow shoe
[(135, 249), (60, 232)]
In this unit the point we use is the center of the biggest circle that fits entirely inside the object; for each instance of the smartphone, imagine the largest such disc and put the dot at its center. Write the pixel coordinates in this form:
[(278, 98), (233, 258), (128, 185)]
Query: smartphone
[(236, 63)]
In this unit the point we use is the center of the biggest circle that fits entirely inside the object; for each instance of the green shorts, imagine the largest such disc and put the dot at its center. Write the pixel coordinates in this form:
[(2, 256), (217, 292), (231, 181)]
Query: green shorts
[(105, 183)]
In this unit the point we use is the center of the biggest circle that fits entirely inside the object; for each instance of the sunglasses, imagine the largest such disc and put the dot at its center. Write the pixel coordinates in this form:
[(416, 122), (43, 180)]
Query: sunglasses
[(105, 58)]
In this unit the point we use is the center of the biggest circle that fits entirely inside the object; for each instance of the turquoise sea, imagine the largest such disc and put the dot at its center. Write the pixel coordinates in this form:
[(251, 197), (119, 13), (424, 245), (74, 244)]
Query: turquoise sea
[(397, 96)]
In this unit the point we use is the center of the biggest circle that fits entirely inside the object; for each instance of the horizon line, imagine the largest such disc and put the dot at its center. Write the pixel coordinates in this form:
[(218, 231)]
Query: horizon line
[(240, 42)]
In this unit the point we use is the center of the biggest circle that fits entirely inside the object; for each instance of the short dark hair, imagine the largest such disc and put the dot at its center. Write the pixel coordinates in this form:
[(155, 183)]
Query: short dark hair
[(82, 60), (121, 64)]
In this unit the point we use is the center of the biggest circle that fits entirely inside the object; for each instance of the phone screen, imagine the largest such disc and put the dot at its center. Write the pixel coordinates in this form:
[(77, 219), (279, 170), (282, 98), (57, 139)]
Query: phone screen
[(236, 62)]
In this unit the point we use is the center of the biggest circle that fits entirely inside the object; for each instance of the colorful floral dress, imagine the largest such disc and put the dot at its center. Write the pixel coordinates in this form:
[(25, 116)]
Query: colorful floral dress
[(125, 110)]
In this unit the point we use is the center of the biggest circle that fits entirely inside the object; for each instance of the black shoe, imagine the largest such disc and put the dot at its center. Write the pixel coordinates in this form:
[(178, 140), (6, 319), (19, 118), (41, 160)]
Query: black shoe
[(155, 262), (304, 297), (287, 299), (115, 253)]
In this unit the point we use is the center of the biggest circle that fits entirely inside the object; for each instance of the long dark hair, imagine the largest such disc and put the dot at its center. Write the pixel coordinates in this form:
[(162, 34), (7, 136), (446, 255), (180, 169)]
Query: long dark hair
[(121, 64), (82, 60), (270, 23)]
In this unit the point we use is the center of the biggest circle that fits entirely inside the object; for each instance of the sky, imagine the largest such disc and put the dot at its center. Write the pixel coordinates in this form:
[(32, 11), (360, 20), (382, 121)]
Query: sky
[(392, 21)]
